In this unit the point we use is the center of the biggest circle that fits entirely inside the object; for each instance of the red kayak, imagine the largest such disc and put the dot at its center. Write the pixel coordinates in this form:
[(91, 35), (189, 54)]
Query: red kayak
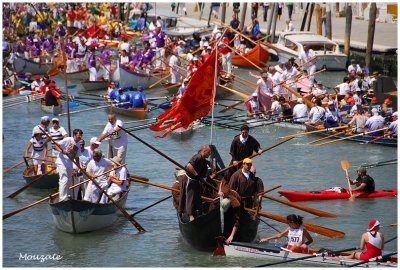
[(333, 194)]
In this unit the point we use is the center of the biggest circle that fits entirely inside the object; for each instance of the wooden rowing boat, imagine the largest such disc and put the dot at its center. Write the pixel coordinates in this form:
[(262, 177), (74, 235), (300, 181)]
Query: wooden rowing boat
[(78, 216), (361, 139), (201, 233), (137, 113), (52, 109), (258, 55), (24, 65), (79, 75), (94, 85), (135, 78), (46, 182), (272, 252)]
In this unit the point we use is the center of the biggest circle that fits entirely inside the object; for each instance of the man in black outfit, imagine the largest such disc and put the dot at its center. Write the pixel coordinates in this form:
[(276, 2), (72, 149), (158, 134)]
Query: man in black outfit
[(243, 146), (364, 182), (191, 186)]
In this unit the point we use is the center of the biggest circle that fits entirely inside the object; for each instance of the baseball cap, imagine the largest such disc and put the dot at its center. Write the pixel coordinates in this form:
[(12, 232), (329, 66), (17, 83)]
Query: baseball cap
[(374, 110), (254, 95), (394, 114), (94, 140), (55, 119), (45, 119), (299, 100), (247, 160)]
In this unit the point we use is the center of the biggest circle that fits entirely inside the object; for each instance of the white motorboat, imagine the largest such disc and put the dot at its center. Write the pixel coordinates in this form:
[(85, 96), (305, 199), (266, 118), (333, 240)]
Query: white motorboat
[(290, 44)]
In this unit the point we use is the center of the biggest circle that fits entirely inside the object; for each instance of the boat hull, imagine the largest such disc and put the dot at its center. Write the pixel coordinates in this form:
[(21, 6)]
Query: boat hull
[(23, 65), (78, 75), (138, 113), (361, 139), (76, 216), (201, 233), (258, 55), (52, 109), (296, 196), (49, 181), (136, 79), (95, 85), (269, 252)]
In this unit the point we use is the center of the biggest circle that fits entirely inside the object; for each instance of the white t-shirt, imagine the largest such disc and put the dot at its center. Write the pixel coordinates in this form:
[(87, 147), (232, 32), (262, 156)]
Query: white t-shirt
[(264, 86), (276, 108), (173, 61), (119, 138), (73, 149), (121, 174), (316, 114), (343, 88), (97, 168), (291, 73), (306, 56), (300, 113)]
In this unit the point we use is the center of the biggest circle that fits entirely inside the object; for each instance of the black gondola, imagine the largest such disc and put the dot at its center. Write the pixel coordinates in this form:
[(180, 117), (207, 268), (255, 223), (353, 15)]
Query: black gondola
[(201, 233)]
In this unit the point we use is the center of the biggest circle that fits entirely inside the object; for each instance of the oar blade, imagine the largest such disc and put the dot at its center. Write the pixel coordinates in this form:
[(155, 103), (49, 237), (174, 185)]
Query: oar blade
[(219, 250), (345, 164)]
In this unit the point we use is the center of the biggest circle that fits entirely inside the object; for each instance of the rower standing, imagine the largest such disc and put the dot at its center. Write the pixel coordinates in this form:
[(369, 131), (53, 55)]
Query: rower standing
[(39, 146), (119, 140)]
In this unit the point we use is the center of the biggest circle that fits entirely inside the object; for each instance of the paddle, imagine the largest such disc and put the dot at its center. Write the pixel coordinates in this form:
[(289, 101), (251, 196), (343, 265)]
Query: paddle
[(151, 205), (157, 82), (233, 91), (54, 195), (13, 166), (353, 136), (120, 208), (311, 227), (307, 257), (30, 184), (302, 207), (375, 259), (345, 166), (254, 155)]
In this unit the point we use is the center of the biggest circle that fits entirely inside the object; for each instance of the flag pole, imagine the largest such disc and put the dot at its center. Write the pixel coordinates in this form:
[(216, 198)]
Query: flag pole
[(215, 83)]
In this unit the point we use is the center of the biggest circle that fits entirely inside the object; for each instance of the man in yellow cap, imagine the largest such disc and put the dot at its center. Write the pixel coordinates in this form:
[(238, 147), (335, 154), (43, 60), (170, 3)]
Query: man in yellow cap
[(247, 186)]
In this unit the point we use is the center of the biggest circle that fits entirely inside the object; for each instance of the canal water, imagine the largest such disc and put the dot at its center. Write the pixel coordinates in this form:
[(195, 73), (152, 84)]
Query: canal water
[(295, 165)]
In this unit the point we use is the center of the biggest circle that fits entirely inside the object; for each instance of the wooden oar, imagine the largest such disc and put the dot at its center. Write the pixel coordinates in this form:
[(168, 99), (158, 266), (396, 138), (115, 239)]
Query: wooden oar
[(157, 82), (302, 207), (314, 131), (53, 195), (307, 257), (256, 154), (13, 166), (12, 195), (375, 259), (379, 137), (308, 102), (120, 208), (353, 136), (134, 179), (330, 136), (151, 205), (311, 227), (165, 88), (141, 178), (232, 106), (234, 91), (345, 166)]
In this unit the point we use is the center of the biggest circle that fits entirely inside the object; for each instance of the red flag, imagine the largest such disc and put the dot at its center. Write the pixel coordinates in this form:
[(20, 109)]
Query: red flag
[(196, 101), (95, 31)]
